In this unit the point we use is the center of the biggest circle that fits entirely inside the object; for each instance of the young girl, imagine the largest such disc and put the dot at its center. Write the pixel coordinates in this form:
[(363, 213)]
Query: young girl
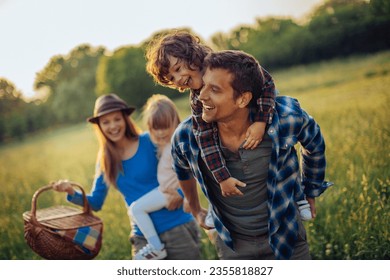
[(161, 117), (176, 60)]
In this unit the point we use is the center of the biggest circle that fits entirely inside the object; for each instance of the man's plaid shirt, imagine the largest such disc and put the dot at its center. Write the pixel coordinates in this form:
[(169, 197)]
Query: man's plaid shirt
[(206, 133), (290, 125)]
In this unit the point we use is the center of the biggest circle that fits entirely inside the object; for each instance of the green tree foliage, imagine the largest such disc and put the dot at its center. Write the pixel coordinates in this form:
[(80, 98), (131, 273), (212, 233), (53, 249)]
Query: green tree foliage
[(68, 83), (380, 8), (262, 40), (336, 28), (342, 27), (124, 73), (18, 117), (12, 108)]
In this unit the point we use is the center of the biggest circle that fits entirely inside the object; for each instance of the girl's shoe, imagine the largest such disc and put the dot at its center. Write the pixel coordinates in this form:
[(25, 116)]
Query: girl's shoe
[(150, 253)]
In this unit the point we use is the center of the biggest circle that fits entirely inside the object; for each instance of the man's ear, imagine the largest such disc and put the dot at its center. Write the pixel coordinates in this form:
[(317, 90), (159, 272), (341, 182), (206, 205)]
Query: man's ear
[(244, 99)]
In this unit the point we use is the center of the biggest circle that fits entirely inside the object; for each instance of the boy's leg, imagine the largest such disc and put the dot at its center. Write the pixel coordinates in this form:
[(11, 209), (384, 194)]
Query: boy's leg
[(139, 211)]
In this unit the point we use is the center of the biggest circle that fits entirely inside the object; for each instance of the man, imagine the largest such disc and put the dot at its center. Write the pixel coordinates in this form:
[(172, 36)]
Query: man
[(264, 222)]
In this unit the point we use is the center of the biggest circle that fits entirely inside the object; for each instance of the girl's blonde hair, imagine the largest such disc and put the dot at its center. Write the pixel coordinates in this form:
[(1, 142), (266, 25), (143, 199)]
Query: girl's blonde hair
[(160, 112), (109, 158)]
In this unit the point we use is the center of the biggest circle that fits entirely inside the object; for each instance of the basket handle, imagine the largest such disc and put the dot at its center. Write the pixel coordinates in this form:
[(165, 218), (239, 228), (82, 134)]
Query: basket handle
[(86, 208)]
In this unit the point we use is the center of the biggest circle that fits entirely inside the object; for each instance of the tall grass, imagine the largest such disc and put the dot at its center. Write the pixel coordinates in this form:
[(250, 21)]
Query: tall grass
[(350, 100)]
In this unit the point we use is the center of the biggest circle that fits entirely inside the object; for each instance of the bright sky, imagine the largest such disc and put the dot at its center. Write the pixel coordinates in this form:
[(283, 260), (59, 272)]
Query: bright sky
[(32, 31)]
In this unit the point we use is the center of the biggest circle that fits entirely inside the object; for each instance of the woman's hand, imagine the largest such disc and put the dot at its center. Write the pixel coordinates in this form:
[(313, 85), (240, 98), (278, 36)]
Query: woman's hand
[(63, 186), (174, 200)]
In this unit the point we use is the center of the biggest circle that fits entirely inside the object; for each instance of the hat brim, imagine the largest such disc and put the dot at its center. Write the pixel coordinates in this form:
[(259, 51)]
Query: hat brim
[(95, 119)]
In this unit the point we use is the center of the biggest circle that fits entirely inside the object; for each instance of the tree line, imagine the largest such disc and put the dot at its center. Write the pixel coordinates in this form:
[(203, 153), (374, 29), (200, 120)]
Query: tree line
[(69, 84)]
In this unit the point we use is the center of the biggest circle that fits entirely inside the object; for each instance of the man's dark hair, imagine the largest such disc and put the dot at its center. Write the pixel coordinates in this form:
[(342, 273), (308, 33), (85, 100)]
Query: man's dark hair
[(246, 71)]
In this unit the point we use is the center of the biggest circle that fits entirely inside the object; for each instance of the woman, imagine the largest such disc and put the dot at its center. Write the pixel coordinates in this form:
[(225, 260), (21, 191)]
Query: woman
[(127, 161)]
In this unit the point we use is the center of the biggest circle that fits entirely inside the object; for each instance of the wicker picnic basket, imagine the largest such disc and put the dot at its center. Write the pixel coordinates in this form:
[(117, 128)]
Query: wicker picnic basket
[(63, 232)]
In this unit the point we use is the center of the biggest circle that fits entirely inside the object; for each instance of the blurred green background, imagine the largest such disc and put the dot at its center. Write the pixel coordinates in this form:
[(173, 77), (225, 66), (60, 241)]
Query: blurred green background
[(337, 64)]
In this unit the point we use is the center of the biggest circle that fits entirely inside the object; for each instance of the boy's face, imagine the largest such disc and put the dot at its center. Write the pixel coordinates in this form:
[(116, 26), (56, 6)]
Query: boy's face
[(217, 96), (182, 77)]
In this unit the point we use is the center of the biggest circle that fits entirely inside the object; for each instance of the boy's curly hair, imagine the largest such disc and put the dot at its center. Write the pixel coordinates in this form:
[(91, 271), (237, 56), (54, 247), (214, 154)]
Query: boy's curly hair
[(180, 44)]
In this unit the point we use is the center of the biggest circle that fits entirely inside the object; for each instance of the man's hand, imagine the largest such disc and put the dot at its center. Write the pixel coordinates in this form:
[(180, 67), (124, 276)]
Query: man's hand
[(186, 206), (201, 217), (312, 202), (229, 187), (254, 135)]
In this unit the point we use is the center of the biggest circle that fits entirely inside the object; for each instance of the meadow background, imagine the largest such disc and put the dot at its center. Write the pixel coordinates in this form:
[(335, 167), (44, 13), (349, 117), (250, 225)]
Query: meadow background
[(348, 97)]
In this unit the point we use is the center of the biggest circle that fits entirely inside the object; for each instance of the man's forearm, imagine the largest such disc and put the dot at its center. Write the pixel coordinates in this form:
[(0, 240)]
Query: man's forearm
[(191, 194)]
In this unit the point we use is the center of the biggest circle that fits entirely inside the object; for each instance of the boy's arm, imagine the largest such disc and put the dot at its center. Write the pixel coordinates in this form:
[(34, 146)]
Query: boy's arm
[(254, 135), (207, 137), (263, 113), (266, 102)]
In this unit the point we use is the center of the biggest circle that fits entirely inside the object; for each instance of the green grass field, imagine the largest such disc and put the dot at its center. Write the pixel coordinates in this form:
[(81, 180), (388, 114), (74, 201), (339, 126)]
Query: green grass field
[(349, 98)]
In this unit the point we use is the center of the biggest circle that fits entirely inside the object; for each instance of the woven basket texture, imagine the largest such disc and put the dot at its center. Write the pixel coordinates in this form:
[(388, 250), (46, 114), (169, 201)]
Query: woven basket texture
[(42, 226)]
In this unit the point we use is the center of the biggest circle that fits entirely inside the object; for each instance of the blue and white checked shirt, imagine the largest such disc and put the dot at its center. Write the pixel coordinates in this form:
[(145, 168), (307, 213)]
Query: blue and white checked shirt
[(290, 125)]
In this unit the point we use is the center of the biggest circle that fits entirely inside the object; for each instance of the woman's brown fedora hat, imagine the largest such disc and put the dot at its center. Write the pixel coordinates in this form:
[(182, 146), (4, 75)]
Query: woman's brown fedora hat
[(107, 104)]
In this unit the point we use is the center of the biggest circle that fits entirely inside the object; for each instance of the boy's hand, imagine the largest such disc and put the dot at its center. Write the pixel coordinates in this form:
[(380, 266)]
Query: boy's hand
[(254, 135), (229, 187)]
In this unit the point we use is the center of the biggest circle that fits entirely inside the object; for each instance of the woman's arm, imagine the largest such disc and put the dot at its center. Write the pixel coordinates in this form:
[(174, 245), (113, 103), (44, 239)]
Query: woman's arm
[(95, 198)]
